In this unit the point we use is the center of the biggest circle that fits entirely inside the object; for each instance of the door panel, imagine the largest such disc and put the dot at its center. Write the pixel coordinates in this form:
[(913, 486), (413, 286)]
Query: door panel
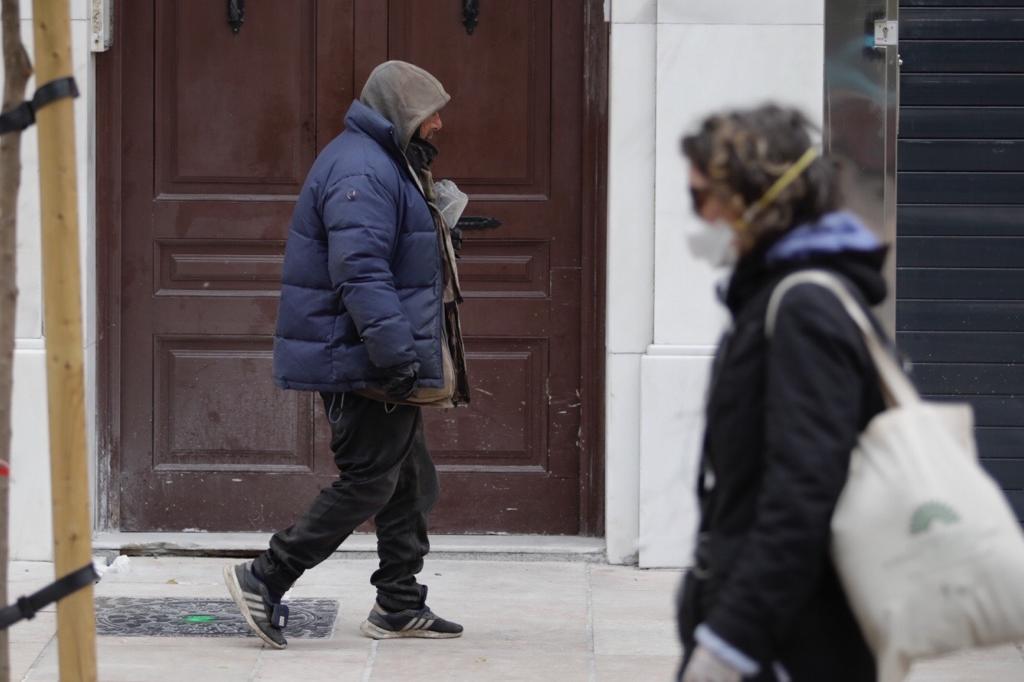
[(199, 428), (219, 130), (210, 138), (500, 82), (216, 147), (521, 281)]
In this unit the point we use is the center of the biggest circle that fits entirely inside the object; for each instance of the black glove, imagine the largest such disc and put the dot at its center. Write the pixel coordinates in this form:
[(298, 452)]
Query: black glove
[(400, 381)]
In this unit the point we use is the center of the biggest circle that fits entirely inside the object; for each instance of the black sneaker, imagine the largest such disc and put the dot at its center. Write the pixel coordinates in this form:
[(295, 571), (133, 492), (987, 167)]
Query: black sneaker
[(262, 614), (381, 624)]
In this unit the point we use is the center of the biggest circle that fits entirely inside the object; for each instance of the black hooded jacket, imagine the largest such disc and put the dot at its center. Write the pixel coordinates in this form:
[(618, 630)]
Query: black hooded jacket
[(782, 418)]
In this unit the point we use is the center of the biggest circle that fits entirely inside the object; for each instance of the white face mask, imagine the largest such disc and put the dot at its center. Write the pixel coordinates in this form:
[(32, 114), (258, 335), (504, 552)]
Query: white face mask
[(714, 244)]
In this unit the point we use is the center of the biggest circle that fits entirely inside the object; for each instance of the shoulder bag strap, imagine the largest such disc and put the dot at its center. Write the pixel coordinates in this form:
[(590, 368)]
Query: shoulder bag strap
[(896, 387)]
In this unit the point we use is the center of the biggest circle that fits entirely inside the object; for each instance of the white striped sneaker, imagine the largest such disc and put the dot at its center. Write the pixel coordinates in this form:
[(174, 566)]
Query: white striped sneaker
[(252, 597), (381, 624)]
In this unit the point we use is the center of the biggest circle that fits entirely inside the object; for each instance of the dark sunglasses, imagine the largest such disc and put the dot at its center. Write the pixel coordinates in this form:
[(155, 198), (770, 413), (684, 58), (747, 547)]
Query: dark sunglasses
[(699, 196)]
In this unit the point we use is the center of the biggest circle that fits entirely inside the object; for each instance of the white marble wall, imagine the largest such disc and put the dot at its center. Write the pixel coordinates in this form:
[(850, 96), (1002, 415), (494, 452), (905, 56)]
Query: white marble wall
[(672, 62), (30, 520), (631, 260)]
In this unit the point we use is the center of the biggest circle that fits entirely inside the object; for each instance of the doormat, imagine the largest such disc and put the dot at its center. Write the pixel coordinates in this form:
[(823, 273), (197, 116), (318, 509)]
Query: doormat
[(134, 617)]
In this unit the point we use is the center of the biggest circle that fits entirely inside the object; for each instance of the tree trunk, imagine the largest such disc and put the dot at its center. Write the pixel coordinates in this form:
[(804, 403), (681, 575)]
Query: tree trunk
[(17, 70)]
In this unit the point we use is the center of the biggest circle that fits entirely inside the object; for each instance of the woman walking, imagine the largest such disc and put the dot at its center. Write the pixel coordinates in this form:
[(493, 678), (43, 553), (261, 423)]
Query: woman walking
[(763, 601)]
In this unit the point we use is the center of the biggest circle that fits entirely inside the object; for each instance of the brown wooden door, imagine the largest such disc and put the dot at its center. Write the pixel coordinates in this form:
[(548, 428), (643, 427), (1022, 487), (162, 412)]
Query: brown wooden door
[(217, 132)]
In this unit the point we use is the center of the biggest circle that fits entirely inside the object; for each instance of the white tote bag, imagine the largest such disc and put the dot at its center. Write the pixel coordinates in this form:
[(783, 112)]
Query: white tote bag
[(928, 551)]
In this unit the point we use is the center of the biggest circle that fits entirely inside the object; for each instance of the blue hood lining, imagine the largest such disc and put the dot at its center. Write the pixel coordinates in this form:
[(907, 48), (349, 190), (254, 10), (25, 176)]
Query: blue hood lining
[(838, 232)]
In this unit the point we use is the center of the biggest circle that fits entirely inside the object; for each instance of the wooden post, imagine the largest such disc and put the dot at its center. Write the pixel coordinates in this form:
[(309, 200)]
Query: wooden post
[(62, 304)]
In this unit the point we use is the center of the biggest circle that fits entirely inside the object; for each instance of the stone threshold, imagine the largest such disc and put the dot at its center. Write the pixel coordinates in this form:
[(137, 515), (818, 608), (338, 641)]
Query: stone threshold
[(359, 545)]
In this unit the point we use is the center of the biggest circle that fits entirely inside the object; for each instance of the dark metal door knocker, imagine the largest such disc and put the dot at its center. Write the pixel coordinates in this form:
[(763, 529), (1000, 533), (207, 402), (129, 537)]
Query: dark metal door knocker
[(236, 14), (470, 15)]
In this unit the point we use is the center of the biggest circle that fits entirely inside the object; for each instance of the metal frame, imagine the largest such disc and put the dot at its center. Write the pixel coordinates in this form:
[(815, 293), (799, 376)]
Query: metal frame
[(862, 81)]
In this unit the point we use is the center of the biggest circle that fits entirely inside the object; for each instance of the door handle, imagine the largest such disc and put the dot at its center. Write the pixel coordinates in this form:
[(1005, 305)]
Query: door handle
[(477, 223)]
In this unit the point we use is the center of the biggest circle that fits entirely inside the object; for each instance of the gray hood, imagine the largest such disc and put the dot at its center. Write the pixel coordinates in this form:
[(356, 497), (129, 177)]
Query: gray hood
[(404, 94)]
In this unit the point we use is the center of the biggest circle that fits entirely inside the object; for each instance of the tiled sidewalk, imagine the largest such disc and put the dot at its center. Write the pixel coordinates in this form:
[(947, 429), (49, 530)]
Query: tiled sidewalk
[(524, 621)]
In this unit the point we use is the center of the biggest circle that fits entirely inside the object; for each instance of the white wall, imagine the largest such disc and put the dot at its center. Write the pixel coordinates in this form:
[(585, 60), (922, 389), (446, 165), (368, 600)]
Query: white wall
[(631, 157), (672, 62), (30, 519)]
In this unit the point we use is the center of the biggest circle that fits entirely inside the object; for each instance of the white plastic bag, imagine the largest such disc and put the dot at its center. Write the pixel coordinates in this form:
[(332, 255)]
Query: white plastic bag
[(450, 201), (929, 552)]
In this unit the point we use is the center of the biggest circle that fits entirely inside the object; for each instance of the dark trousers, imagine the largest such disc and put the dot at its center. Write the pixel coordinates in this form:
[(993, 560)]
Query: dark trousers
[(386, 474)]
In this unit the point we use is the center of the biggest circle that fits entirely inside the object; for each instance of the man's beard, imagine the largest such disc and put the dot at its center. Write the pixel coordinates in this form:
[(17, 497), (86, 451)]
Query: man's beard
[(421, 153)]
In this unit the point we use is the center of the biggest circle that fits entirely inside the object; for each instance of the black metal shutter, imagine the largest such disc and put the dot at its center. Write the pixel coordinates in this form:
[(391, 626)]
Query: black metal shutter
[(960, 258)]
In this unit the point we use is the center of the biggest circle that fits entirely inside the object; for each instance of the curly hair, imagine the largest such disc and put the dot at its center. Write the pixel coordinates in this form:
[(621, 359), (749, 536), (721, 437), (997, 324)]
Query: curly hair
[(744, 152)]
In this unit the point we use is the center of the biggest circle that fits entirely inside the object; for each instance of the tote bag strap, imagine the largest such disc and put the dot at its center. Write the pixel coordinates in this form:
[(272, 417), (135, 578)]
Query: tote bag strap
[(896, 387)]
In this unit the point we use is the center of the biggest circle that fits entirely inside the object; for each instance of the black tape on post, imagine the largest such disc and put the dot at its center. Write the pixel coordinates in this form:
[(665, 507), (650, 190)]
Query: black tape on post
[(27, 607)]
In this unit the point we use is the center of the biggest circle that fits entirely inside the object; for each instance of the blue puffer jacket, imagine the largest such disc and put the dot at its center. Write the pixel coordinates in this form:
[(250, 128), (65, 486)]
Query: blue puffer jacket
[(361, 288)]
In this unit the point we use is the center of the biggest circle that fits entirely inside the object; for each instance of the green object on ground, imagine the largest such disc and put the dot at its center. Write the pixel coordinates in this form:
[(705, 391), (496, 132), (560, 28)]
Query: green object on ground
[(199, 618)]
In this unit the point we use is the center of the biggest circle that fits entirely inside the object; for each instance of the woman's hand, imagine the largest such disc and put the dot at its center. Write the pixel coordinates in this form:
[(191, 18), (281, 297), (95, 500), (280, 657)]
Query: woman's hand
[(706, 667)]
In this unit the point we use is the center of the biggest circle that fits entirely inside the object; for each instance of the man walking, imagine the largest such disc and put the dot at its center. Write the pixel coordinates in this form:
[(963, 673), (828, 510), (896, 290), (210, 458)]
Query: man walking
[(368, 318)]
